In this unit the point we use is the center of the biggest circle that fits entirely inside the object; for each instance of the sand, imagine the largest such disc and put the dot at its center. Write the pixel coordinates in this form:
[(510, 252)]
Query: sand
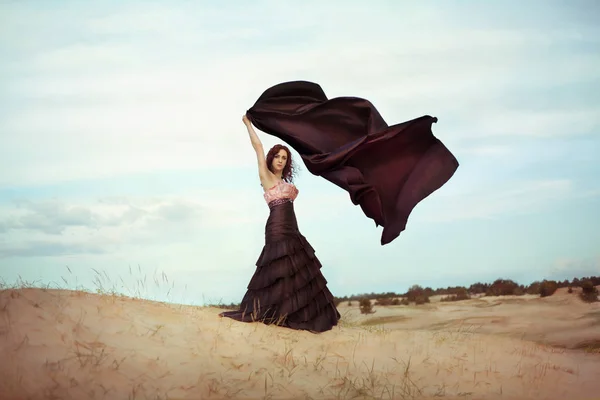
[(60, 344)]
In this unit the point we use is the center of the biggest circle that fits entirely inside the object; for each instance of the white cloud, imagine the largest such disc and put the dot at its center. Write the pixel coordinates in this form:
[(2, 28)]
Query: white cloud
[(170, 95), (121, 225), (504, 199), (207, 239), (576, 267), (540, 124), (487, 151)]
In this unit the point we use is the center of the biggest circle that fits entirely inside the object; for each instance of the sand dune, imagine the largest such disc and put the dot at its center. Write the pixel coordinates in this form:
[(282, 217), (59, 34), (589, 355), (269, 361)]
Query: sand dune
[(59, 344)]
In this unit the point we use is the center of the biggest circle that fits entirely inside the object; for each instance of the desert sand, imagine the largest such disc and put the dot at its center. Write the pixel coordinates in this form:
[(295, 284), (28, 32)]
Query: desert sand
[(61, 344)]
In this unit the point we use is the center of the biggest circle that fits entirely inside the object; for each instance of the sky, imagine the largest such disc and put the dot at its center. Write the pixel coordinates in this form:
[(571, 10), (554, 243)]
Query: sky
[(123, 157)]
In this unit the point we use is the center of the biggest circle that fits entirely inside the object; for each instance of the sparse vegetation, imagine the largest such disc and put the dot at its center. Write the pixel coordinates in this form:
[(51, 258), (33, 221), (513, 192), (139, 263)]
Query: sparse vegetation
[(365, 306), (358, 379), (478, 288), (589, 293), (534, 288), (230, 306), (502, 287), (387, 301), (461, 294), (416, 294), (519, 291), (547, 288)]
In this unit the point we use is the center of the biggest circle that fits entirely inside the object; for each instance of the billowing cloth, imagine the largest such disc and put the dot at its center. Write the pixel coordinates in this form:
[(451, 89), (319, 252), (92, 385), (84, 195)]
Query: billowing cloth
[(387, 170)]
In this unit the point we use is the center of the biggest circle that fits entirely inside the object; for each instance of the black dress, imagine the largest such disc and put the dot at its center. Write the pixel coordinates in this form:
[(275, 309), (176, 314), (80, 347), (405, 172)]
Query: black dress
[(287, 288)]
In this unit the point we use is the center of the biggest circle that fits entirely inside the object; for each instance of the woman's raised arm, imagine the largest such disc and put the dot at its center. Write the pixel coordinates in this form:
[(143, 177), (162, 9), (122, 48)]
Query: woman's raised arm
[(266, 177)]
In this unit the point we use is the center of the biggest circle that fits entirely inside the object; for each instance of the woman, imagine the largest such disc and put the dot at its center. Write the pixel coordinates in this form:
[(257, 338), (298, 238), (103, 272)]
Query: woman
[(287, 288)]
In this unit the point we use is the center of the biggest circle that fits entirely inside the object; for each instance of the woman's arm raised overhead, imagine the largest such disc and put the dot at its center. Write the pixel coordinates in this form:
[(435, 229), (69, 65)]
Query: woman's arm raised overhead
[(267, 179)]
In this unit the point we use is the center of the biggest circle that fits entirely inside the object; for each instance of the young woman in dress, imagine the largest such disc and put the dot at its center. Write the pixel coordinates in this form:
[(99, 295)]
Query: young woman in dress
[(287, 288)]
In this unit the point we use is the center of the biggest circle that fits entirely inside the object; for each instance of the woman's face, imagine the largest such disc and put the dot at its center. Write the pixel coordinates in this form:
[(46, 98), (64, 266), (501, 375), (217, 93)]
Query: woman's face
[(280, 160)]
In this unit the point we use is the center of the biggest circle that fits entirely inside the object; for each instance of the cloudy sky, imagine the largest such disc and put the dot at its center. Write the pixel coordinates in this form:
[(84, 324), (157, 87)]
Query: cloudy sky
[(122, 149)]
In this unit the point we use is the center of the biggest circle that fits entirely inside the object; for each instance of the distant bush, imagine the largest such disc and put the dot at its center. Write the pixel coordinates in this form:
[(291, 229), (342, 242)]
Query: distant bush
[(416, 294), (385, 301), (589, 293), (350, 303), (479, 287), (563, 284), (429, 292), (404, 302), (365, 306), (461, 294), (231, 306), (451, 290), (519, 291), (547, 288), (502, 287), (534, 288), (570, 289), (578, 282)]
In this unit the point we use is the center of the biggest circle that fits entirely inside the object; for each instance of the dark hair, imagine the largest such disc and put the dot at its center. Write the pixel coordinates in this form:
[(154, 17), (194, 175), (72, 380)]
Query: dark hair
[(289, 169)]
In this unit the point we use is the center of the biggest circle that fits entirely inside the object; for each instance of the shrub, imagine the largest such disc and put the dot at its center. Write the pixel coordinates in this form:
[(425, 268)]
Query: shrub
[(385, 301), (547, 288), (570, 289), (589, 293), (501, 287), (461, 294), (231, 306), (365, 306), (478, 287), (534, 288), (404, 302), (416, 294)]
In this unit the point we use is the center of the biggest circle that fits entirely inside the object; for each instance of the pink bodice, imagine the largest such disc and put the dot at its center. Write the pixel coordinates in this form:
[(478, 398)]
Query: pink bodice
[(280, 193)]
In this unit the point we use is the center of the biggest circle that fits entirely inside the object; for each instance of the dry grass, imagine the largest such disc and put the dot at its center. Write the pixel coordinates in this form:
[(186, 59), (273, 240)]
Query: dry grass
[(389, 319), (108, 343)]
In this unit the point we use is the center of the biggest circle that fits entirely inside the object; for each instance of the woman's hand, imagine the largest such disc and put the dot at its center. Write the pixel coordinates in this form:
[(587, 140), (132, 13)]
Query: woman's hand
[(246, 121)]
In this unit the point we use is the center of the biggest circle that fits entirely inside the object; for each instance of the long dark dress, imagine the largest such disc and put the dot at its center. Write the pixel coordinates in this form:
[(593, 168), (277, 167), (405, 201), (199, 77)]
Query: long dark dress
[(387, 170), (287, 288)]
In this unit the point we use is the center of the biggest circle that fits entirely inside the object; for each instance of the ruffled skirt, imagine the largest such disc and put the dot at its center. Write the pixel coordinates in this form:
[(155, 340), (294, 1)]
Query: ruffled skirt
[(287, 288)]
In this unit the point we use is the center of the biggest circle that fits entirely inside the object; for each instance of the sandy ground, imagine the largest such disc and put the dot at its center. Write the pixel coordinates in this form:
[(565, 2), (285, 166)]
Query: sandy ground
[(57, 344)]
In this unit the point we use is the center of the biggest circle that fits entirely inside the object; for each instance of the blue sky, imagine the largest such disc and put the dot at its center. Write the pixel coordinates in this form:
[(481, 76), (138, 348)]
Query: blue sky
[(121, 141)]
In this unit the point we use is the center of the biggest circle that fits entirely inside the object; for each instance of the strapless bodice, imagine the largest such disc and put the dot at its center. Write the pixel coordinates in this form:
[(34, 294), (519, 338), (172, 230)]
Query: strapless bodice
[(280, 193)]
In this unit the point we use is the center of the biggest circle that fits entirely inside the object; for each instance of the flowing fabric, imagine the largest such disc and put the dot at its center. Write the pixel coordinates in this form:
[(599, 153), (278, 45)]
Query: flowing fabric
[(287, 288), (387, 170)]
